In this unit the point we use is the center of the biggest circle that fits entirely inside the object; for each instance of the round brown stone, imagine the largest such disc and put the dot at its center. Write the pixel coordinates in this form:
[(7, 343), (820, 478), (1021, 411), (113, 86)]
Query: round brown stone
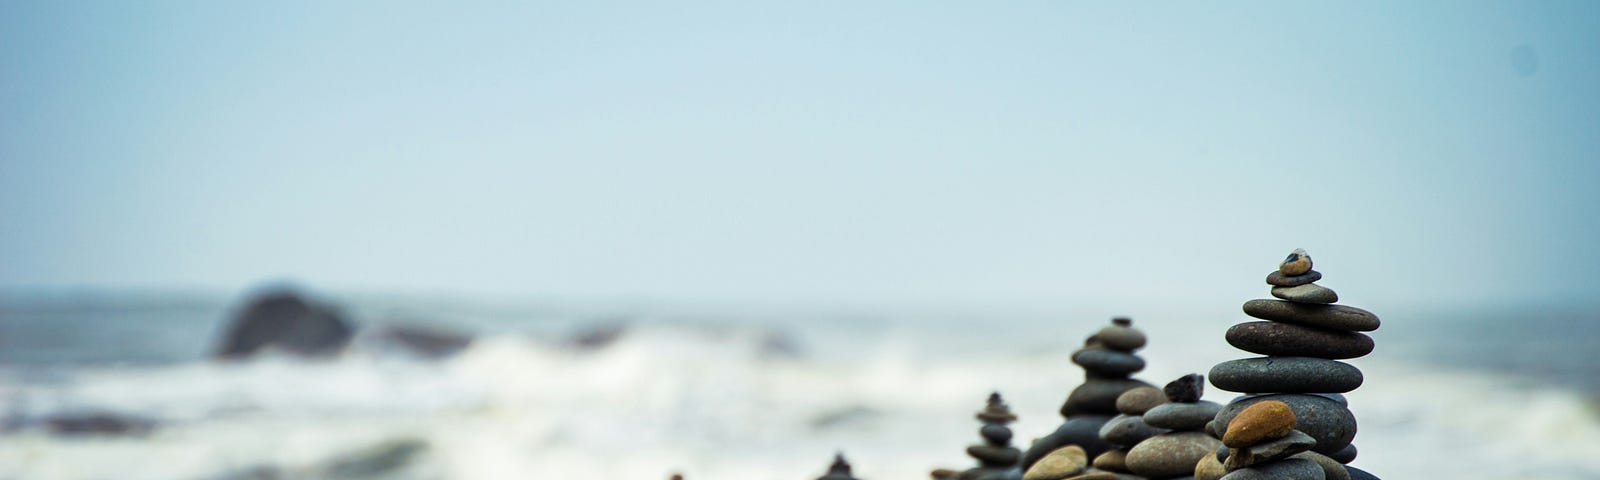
[(1298, 263), (1112, 460), (1262, 421)]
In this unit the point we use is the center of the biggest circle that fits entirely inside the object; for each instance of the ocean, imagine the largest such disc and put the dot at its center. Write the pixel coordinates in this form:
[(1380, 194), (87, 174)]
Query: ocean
[(637, 390)]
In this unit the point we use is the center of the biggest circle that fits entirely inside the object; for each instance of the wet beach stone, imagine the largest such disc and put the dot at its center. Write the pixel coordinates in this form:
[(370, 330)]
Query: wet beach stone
[(1319, 416), (1285, 375), (1289, 469), (1278, 279), (1108, 362), (1287, 339), (1136, 401), (1338, 317), (1182, 416), (1308, 293)]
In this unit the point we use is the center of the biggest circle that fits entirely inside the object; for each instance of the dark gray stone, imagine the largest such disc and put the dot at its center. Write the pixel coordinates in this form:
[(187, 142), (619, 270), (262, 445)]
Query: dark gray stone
[(1098, 396), (1338, 317), (1128, 430), (996, 434), (1187, 388), (1291, 469), (1107, 362), (1275, 449), (1080, 430), (1286, 375), (1345, 455), (1321, 417), (1278, 279), (839, 470), (283, 320), (1182, 416), (991, 455), (97, 423), (1359, 474), (1287, 339), (1308, 293)]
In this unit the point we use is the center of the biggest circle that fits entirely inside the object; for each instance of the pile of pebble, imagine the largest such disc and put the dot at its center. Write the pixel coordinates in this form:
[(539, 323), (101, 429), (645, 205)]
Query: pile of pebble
[(1302, 338), (997, 459), (1128, 429), (1261, 444), (1183, 417), (1108, 361)]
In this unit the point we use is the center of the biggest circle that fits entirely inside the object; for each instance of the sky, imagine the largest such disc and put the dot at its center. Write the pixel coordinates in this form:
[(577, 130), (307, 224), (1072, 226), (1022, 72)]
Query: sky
[(985, 153)]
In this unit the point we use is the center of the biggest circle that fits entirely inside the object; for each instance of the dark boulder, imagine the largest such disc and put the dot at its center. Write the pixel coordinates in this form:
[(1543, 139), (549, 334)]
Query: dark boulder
[(283, 320), (97, 423)]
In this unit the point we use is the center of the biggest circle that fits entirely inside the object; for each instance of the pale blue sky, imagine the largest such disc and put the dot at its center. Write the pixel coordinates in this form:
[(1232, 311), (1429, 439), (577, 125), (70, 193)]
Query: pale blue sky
[(904, 152)]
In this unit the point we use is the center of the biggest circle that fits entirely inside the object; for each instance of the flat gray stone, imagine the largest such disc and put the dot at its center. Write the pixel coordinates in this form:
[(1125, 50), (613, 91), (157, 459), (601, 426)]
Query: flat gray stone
[(1278, 279), (1285, 375), (1308, 293), (1182, 416), (1108, 362), (1288, 339), (1128, 430), (1337, 317)]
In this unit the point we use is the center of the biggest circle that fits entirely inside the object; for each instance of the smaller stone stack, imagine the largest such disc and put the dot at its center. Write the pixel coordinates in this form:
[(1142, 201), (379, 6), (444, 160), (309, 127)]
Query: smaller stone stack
[(1303, 337), (1108, 361), (1262, 444), (1175, 453), (840, 470), (1128, 429), (997, 459)]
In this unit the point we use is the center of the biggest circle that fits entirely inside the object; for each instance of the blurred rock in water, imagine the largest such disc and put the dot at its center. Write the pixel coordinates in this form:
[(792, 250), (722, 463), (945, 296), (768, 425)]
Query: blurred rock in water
[(854, 414), (424, 342), (598, 337), (98, 423), (379, 461), (283, 320)]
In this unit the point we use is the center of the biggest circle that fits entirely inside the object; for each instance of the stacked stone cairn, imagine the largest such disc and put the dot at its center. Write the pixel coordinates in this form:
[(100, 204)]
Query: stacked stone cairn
[(1302, 338), (839, 470), (1181, 443), (1108, 360), (997, 459), (1128, 429)]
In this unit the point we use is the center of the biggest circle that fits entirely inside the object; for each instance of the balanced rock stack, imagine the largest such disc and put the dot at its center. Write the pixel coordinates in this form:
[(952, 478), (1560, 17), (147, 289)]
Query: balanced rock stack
[(1108, 360), (1128, 429), (1174, 454), (1261, 443), (840, 470), (1303, 338), (997, 460)]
